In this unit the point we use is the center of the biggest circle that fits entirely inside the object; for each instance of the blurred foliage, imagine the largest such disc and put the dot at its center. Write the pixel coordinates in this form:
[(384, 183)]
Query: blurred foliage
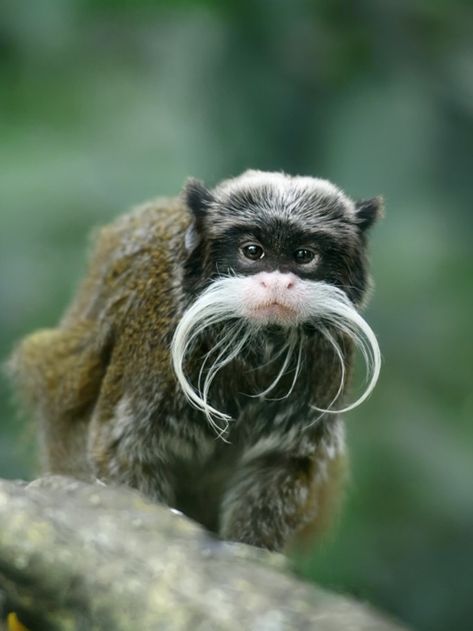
[(104, 103)]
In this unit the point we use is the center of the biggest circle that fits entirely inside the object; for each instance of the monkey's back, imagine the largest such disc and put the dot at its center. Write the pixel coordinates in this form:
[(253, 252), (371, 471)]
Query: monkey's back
[(122, 314)]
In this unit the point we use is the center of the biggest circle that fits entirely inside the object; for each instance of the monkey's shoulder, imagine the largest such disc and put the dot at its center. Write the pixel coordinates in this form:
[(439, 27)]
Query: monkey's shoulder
[(154, 228), (135, 259)]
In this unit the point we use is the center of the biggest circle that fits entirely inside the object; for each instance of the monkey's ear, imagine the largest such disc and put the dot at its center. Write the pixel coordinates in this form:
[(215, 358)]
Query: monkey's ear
[(368, 211), (197, 197)]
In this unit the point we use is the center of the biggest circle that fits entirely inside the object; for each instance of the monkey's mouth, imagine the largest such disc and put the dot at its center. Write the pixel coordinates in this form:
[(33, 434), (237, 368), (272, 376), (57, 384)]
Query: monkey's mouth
[(273, 312)]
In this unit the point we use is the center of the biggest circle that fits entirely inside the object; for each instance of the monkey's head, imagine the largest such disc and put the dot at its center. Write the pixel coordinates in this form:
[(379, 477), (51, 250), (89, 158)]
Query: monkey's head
[(266, 250)]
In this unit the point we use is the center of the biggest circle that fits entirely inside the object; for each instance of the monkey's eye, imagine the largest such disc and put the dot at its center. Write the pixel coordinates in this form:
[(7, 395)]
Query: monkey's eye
[(252, 251), (303, 256)]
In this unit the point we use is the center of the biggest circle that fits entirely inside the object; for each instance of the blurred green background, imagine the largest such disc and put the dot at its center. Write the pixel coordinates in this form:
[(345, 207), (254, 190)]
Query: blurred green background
[(105, 103)]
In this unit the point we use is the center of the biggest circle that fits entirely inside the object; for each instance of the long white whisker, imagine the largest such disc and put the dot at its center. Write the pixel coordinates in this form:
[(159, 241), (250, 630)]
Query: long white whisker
[(296, 371), (271, 360), (296, 375), (220, 363), (225, 300), (339, 353), (232, 333), (229, 334), (209, 309), (222, 359), (344, 316), (290, 349)]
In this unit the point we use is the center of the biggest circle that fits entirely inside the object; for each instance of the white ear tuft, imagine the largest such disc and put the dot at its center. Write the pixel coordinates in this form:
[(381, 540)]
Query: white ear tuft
[(191, 238)]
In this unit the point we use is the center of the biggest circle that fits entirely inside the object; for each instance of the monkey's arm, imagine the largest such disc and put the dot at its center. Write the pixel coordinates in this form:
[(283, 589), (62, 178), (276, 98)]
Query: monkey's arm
[(279, 499)]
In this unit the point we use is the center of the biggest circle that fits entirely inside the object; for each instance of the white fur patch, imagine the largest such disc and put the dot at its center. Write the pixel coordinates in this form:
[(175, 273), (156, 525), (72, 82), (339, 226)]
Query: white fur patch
[(191, 238), (123, 419), (281, 441)]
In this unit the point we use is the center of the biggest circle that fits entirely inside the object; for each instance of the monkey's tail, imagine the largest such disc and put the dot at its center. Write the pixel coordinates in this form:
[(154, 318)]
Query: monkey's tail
[(57, 374), (57, 370)]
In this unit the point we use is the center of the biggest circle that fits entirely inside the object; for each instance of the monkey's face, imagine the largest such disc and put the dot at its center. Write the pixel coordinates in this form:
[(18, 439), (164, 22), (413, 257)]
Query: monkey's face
[(269, 249), (278, 260), (282, 233)]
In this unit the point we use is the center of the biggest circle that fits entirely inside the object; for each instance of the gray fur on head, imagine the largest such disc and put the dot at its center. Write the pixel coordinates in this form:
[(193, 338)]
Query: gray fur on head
[(281, 195)]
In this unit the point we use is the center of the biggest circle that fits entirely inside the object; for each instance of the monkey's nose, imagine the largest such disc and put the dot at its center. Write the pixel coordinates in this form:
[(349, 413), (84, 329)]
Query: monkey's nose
[(277, 280)]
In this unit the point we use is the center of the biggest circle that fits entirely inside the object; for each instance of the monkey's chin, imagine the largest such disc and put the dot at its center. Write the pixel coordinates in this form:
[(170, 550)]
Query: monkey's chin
[(273, 313)]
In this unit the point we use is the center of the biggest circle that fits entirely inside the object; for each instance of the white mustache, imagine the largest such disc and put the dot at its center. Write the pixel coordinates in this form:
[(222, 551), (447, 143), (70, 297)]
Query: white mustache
[(223, 301)]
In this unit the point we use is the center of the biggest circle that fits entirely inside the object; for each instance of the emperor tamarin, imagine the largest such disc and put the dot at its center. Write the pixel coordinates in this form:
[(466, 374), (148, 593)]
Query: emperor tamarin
[(206, 356)]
